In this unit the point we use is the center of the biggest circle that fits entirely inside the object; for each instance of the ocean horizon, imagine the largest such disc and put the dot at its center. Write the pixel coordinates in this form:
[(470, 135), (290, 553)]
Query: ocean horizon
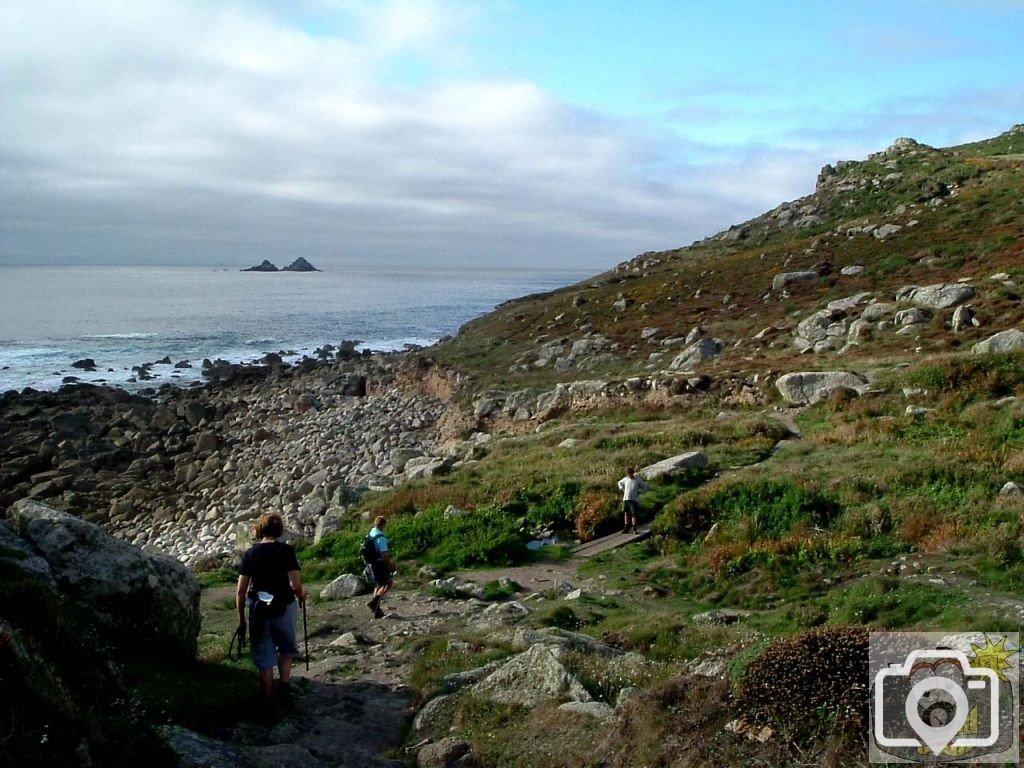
[(126, 316)]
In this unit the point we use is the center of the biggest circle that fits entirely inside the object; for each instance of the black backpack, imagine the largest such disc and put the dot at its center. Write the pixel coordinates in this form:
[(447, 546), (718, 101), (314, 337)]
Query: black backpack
[(369, 550)]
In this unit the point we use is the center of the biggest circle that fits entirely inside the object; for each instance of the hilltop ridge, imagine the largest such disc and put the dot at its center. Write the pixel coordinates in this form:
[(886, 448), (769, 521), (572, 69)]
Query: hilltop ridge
[(908, 215)]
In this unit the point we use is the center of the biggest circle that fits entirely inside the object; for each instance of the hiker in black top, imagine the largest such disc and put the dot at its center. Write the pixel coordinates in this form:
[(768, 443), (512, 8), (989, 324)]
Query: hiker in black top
[(269, 584)]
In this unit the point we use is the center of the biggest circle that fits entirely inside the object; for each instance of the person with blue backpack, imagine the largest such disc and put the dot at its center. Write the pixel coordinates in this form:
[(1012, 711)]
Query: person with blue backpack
[(380, 567)]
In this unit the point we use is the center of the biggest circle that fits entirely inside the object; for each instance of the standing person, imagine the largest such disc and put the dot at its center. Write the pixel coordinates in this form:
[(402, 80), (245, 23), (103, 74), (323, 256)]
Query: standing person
[(269, 584), (631, 487), (381, 566)]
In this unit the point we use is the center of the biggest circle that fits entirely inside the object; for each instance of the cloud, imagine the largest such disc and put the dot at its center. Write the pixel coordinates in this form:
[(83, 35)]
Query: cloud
[(184, 131), (344, 130)]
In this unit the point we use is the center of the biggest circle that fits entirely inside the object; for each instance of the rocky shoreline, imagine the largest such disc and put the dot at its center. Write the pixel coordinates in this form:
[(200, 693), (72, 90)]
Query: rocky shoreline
[(185, 471)]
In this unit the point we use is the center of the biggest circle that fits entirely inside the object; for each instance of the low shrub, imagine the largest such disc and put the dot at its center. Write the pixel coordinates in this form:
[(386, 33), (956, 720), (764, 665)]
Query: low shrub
[(685, 517), (487, 536), (760, 509), (556, 509), (598, 514), (922, 498), (814, 680), (340, 550), (978, 377), (560, 616)]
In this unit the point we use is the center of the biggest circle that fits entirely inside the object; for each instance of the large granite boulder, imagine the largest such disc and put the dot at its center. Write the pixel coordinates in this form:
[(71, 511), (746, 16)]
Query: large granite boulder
[(939, 296), (812, 386), (17, 559), (691, 460), (346, 585), (195, 750), (878, 311), (529, 678), (1004, 341), (822, 324), (785, 279), (700, 352), (148, 598), (442, 754)]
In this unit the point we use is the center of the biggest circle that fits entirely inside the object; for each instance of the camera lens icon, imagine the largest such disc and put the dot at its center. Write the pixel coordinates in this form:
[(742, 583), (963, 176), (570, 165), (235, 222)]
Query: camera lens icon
[(928, 699)]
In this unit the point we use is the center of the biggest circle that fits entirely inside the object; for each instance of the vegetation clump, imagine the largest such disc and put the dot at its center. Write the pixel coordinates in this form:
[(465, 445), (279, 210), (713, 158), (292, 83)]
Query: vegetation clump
[(812, 681), (64, 702), (750, 510)]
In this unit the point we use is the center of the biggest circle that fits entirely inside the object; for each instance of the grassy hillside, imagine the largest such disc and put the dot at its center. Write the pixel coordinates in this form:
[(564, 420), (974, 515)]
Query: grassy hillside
[(886, 510), (961, 211)]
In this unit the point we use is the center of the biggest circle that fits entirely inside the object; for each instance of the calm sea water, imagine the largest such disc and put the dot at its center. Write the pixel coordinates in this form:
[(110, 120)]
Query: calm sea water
[(125, 316)]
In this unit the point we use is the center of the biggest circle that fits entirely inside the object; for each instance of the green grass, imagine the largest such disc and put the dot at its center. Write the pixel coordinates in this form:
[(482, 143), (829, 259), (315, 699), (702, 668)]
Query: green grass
[(218, 578), (972, 378), (751, 510), (198, 695), (438, 657)]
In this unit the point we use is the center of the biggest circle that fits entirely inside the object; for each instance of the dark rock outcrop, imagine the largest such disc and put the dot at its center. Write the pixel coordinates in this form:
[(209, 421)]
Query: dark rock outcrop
[(264, 266), (300, 265)]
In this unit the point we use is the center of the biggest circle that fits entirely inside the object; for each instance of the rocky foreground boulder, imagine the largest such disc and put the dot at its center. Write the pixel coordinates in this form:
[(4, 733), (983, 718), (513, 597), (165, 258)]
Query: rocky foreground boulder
[(149, 598)]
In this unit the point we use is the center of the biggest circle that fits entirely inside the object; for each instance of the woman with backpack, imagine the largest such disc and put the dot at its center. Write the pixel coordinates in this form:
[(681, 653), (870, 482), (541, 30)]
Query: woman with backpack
[(269, 584)]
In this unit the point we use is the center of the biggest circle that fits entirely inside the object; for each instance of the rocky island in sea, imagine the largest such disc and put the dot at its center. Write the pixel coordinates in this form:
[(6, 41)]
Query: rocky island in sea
[(299, 265)]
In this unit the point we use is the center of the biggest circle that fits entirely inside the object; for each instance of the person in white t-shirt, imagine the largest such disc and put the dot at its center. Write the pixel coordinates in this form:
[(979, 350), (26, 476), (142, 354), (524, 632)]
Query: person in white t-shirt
[(631, 487)]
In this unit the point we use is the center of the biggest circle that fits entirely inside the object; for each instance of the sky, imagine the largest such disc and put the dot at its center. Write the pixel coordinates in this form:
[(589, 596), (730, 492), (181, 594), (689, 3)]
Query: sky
[(571, 134)]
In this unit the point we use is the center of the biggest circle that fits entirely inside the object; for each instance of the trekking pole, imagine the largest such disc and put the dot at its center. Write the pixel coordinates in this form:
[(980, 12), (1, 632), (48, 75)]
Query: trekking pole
[(236, 648), (305, 634)]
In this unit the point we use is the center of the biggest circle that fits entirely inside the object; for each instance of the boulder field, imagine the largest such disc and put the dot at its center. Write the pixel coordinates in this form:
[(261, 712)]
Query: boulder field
[(181, 471)]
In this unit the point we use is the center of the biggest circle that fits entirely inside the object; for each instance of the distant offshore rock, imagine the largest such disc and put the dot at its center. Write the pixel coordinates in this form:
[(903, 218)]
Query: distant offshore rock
[(263, 266), (299, 265)]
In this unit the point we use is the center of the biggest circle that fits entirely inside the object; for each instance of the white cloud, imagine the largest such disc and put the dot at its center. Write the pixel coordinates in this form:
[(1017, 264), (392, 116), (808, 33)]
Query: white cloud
[(188, 130)]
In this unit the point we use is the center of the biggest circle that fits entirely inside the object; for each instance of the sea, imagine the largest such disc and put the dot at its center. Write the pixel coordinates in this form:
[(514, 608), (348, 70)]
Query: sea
[(125, 316)]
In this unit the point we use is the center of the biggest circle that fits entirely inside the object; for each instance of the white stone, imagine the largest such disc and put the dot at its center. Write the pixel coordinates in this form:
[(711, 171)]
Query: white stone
[(810, 386), (1011, 489), (1011, 340)]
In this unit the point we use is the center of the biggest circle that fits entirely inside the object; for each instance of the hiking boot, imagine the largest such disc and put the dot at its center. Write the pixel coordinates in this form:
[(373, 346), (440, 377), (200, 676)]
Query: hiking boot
[(286, 696), (374, 604), (378, 613), (625, 529)]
